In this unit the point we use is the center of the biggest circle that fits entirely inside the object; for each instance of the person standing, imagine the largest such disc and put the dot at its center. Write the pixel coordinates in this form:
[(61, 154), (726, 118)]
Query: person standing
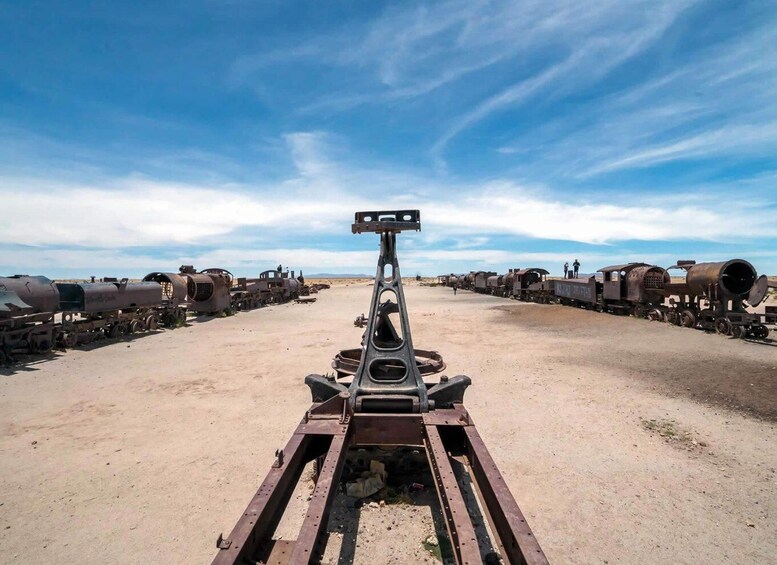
[(454, 290), (566, 269), (576, 266)]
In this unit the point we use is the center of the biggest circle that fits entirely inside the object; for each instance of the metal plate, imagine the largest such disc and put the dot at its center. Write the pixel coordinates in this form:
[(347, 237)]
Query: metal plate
[(758, 292), (10, 302)]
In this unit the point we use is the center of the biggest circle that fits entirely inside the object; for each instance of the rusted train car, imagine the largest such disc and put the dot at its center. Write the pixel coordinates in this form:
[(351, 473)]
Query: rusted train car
[(480, 283), (27, 309), (714, 296), (31, 305), (501, 285), (92, 311), (527, 284), (37, 313)]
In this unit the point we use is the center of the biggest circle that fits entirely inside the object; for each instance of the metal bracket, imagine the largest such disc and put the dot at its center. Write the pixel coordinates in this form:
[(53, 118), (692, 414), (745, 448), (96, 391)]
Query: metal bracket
[(393, 221), (222, 543), (278, 459)]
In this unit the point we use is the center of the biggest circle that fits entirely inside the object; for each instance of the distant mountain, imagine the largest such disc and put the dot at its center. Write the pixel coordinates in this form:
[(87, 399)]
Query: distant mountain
[(336, 276)]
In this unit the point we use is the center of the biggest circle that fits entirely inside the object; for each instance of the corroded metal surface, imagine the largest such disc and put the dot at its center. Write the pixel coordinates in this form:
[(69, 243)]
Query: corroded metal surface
[(347, 361)]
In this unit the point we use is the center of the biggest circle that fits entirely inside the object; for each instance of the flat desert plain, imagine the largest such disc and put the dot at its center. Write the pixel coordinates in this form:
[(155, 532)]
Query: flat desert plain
[(623, 441)]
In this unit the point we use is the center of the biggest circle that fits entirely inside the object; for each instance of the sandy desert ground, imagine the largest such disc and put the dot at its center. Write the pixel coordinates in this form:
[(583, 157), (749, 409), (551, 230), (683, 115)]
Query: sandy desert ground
[(623, 441)]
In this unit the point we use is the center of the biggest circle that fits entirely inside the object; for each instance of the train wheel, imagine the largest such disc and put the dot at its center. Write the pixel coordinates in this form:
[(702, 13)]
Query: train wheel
[(688, 319), (133, 327), (69, 340), (738, 332), (761, 332), (151, 323), (655, 315), (43, 346), (115, 331), (723, 326)]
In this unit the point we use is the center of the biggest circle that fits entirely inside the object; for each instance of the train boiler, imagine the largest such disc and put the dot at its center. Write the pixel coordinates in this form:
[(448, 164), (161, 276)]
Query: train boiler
[(494, 285), (456, 280), (468, 281), (501, 285), (291, 287), (481, 281), (713, 297), (106, 309), (208, 291), (27, 308)]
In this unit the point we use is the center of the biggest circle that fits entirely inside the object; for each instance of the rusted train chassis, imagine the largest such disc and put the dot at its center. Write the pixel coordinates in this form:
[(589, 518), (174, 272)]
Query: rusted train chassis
[(713, 297), (326, 433), (37, 313)]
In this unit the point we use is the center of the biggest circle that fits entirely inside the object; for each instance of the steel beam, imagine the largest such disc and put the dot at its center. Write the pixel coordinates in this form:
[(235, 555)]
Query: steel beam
[(457, 518), (516, 540), (263, 513), (317, 515)]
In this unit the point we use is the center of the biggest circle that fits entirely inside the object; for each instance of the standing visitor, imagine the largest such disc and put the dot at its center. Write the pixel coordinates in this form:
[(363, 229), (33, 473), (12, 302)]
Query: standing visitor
[(576, 266)]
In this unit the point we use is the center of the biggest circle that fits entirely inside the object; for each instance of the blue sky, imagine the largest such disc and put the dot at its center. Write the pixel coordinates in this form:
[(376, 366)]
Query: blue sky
[(137, 136)]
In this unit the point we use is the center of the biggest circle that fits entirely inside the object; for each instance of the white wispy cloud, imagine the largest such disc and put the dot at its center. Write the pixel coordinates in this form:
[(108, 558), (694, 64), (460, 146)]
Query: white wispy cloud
[(593, 51), (718, 102), (321, 198), (751, 139), (482, 59)]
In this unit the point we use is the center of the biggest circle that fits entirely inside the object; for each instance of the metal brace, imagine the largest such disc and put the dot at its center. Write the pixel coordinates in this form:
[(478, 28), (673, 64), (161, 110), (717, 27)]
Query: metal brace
[(222, 543), (278, 459)]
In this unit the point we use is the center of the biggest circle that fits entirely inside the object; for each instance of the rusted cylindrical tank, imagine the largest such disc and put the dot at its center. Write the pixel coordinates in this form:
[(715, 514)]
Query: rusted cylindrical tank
[(480, 280), (173, 286), (493, 281), (647, 283), (208, 293), (508, 280), (733, 278), (39, 293), (199, 287), (103, 297), (291, 287)]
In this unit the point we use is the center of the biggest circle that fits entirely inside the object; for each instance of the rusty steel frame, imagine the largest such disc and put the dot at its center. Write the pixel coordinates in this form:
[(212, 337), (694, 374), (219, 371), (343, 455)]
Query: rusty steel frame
[(329, 429), (371, 413)]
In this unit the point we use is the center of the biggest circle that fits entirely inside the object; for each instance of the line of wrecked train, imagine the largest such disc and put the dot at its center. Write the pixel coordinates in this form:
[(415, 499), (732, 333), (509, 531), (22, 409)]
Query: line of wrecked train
[(709, 296), (38, 314)]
